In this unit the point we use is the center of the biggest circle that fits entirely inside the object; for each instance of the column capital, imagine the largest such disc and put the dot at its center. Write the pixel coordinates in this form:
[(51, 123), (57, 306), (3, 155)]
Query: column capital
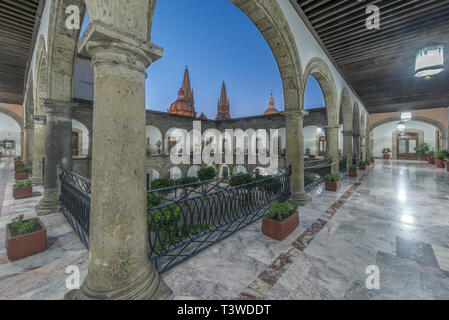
[(107, 46), (332, 128), (61, 108), (42, 120), (296, 114)]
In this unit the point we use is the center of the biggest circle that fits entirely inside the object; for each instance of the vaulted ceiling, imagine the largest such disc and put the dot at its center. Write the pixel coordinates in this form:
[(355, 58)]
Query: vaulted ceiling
[(379, 64), (17, 21)]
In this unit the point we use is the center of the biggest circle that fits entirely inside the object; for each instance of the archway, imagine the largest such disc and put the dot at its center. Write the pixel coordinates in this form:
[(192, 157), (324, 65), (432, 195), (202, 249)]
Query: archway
[(154, 140), (346, 118), (10, 130), (356, 132)]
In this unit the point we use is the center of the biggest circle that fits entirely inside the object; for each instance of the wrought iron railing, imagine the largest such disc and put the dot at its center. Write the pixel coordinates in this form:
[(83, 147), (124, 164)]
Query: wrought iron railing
[(184, 220), (315, 173), (343, 164), (75, 199)]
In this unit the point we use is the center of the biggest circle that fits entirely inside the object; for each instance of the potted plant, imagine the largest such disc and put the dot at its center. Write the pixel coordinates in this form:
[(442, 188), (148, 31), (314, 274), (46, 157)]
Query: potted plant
[(352, 171), (282, 220), (447, 161), (308, 152), (22, 189), (2, 146), (159, 146), (439, 158), (22, 174), (372, 159), (25, 238), (18, 165), (431, 159), (423, 150), (333, 182), (362, 165), (387, 153)]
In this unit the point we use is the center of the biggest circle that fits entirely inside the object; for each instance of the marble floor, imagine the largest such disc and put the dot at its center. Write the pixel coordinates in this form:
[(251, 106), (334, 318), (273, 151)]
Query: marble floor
[(394, 217)]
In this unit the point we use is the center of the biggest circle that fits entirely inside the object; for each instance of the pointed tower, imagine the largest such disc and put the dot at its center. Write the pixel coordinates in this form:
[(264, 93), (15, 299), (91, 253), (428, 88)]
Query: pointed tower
[(223, 105), (185, 104), (271, 107)]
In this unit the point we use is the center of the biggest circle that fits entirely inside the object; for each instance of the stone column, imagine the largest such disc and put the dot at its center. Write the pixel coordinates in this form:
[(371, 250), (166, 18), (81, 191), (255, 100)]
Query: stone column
[(40, 123), (447, 128), (118, 264), (89, 148), (356, 147), (295, 153), (363, 147), (58, 151), (333, 148), (28, 145), (347, 147)]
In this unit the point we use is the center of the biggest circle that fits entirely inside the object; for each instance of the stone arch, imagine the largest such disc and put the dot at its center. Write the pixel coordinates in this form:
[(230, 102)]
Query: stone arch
[(28, 104), (175, 173), (221, 173), (193, 171), (240, 169), (41, 78), (154, 135), (13, 115), (62, 50), (397, 118), (322, 73)]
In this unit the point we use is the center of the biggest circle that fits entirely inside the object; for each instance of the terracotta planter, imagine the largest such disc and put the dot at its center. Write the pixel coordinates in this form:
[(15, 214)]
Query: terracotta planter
[(27, 245), (447, 166), (352, 173), (22, 193), (280, 230), (362, 167), (439, 164), (423, 158), (387, 156), (22, 176), (18, 167), (431, 160), (368, 164), (333, 186), (308, 154)]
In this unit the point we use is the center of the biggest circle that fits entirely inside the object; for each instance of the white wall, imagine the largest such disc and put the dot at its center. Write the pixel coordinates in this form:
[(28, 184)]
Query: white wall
[(309, 48), (383, 135), (310, 135), (43, 30), (10, 130), (84, 137)]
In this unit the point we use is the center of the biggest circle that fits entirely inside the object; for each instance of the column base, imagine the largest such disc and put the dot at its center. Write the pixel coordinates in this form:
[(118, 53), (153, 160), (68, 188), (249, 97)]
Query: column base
[(148, 287), (47, 206), (300, 197), (37, 182)]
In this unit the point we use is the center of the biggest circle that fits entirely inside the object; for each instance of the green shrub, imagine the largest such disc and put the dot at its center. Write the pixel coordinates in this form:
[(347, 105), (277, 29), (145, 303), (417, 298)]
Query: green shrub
[(280, 211), (441, 154), (152, 201), (186, 180), (308, 150), (205, 174), (333, 178), (241, 179), (386, 151), (3, 143), (164, 217), (353, 168), (162, 183), (19, 227), (19, 163), (24, 170), (23, 183), (362, 163), (422, 149)]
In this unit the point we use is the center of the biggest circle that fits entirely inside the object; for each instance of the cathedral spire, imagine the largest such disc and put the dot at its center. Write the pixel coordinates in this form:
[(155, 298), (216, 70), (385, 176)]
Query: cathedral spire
[(223, 105), (271, 106), (185, 104)]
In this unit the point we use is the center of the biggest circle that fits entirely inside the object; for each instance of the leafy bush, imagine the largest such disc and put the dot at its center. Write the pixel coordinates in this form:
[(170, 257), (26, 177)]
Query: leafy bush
[(280, 211), (441, 154), (362, 163), (352, 168), (164, 217), (19, 227), (152, 201), (422, 149), (3, 143), (186, 180), (23, 184), (333, 178), (19, 163), (205, 174), (308, 150), (24, 170), (162, 183), (241, 179), (386, 151)]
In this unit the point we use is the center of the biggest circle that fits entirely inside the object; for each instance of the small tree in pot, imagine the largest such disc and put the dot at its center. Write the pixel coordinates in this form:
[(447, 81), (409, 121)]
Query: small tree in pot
[(431, 158), (308, 152), (2, 146), (362, 165), (423, 151), (387, 153), (352, 171), (439, 158), (22, 189), (159, 146), (22, 174), (25, 238), (282, 220), (333, 182)]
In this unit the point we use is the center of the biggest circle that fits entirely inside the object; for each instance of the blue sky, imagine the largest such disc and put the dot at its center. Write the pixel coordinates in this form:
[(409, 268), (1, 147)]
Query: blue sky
[(217, 42)]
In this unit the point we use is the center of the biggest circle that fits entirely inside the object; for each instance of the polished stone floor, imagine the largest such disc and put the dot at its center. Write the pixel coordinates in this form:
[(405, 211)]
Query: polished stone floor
[(394, 218)]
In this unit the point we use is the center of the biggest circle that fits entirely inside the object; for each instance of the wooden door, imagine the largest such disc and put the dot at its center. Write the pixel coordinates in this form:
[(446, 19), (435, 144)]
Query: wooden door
[(407, 142), (75, 143)]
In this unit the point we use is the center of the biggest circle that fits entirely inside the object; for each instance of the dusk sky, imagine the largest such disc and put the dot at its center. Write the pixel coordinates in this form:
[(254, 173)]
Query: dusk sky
[(217, 42)]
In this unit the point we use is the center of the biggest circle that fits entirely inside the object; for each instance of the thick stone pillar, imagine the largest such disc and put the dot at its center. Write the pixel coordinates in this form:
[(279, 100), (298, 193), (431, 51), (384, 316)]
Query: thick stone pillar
[(363, 147), (295, 153), (58, 151), (356, 147), (89, 148), (28, 144), (347, 147), (118, 264), (447, 128), (40, 123), (332, 134)]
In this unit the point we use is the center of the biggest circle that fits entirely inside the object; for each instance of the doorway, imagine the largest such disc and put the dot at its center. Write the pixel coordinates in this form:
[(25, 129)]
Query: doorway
[(322, 146), (75, 143), (407, 142)]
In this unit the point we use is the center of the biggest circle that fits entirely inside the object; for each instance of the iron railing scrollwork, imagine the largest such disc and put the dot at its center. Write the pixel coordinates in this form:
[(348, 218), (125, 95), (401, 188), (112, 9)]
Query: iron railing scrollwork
[(315, 173), (75, 198), (184, 220)]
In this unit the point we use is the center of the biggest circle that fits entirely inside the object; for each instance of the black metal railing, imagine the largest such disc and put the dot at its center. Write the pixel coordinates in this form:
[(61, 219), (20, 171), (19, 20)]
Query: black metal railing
[(343, 165), (315, 173), (184, 220), (75, 198)]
